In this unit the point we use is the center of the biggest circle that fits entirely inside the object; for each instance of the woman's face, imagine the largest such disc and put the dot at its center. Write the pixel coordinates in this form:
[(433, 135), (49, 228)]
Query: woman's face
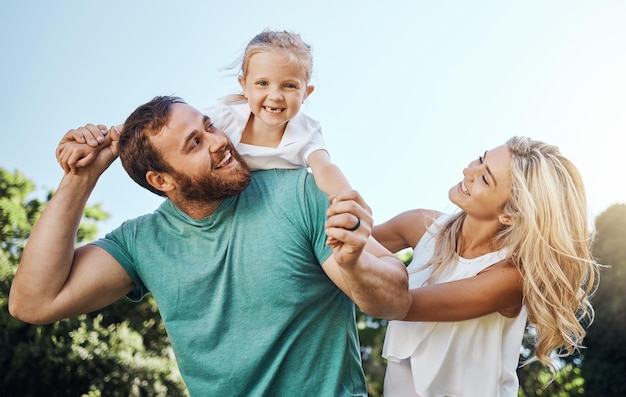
[(486, 185)]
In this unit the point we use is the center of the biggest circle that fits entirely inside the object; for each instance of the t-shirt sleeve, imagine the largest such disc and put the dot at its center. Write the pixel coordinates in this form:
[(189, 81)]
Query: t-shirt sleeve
[(117, 245), (316, 204)]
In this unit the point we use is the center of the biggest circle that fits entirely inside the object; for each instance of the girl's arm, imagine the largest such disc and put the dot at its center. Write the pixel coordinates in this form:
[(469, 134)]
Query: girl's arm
[(328, 176)]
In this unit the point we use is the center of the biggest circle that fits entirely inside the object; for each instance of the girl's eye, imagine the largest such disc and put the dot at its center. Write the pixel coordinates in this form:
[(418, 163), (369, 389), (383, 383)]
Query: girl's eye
[(262, 83), (290, 86)]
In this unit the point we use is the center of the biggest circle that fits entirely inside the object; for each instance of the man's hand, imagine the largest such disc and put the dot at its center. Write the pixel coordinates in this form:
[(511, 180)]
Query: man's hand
[(368, 273), (348, 227)]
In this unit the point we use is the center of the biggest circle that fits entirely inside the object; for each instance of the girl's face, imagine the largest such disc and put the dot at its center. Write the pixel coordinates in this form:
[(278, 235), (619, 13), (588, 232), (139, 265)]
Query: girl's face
[(486, 185), (275, 87)]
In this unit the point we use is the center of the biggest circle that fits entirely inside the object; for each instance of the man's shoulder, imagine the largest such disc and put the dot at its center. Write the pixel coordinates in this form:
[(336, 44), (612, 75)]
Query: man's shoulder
[(280, 175), (283, 183), (165, 210)]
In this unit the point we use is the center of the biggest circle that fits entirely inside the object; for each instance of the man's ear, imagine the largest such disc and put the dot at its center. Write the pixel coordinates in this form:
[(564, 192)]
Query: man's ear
[(505, 220), (160, 181)]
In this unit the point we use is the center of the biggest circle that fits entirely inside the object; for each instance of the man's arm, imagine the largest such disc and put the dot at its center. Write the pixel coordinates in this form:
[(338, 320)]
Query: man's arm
[(374, 278), (55, 280)]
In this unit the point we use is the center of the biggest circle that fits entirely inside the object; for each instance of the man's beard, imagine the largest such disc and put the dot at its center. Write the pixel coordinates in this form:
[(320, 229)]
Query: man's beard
[(210, 187)]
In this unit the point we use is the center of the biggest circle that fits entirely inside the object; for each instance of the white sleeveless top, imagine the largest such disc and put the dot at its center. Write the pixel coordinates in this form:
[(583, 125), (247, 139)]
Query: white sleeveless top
[(476, 357)]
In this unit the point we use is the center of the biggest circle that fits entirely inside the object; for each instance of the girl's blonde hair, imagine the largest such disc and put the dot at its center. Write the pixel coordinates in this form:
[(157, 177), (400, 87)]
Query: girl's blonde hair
[(549, 241), (283, 42)]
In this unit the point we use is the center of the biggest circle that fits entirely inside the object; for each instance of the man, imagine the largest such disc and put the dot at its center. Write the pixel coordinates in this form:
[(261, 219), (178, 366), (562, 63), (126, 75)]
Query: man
[(254, 300)]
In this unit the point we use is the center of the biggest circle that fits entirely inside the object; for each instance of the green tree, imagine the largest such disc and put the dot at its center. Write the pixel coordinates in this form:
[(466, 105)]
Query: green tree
[(121, 350), (539, 381), (604, 363), (597, 370), (535, 379)]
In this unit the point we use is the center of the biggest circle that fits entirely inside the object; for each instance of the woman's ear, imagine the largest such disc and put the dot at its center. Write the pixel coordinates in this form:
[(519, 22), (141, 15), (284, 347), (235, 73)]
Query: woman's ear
[(160, 181), (505, 220)]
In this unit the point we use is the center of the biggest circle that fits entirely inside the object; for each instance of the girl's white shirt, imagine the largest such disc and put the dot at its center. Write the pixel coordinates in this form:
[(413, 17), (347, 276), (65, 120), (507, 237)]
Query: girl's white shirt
[(302, 137)]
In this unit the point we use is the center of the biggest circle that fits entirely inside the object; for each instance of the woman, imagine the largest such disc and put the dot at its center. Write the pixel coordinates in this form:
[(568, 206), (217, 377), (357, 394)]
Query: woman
[(519, 249)]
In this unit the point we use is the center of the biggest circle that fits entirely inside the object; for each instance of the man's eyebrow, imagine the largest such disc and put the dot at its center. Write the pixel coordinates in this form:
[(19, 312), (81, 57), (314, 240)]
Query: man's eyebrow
[(495, 183), (194, 133), (188, 139)]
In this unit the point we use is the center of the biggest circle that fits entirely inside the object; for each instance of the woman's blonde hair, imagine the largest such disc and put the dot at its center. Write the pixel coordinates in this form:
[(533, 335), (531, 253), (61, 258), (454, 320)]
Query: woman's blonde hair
[(549, 241), (283, 42)]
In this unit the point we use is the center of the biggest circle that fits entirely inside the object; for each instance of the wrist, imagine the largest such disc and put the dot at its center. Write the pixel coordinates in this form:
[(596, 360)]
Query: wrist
[(79, 184)]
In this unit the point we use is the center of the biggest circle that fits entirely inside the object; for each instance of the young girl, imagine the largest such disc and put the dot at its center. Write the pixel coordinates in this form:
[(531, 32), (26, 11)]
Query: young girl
[(264, 122), (519, 248)]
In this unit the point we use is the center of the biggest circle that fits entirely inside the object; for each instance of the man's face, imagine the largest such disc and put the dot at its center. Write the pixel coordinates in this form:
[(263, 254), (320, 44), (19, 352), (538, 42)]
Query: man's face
[(205, 165)]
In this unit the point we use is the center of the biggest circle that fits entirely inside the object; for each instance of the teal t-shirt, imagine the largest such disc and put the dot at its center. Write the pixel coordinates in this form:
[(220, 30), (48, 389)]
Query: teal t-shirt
[(247, 306)]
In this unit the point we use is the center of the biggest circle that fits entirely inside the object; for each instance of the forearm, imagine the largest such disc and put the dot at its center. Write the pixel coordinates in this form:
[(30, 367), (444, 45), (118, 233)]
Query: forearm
[(379, 286), (374, 278), (48, 256), (330, 179)]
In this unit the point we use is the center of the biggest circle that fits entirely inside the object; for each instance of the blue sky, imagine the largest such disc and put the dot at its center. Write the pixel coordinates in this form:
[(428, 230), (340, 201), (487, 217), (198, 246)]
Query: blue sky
[(407, 93)]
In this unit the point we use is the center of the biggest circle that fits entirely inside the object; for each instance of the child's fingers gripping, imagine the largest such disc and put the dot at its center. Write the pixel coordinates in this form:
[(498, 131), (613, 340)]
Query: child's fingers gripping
[(59, 155), (72, 159), (64, 159), (80, 155), (333, 242), (86, 160)]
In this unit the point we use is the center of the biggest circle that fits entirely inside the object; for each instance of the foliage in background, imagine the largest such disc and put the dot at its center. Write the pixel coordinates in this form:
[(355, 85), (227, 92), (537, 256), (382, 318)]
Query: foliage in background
[(122, 350), (604, 365)]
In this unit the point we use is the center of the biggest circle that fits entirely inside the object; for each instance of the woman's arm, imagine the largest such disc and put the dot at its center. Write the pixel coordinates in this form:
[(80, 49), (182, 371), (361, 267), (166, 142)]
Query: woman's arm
[(496, 289), (404, 230)]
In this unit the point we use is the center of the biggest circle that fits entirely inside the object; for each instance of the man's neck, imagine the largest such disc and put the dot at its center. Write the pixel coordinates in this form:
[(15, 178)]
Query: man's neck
[(197, 209)]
